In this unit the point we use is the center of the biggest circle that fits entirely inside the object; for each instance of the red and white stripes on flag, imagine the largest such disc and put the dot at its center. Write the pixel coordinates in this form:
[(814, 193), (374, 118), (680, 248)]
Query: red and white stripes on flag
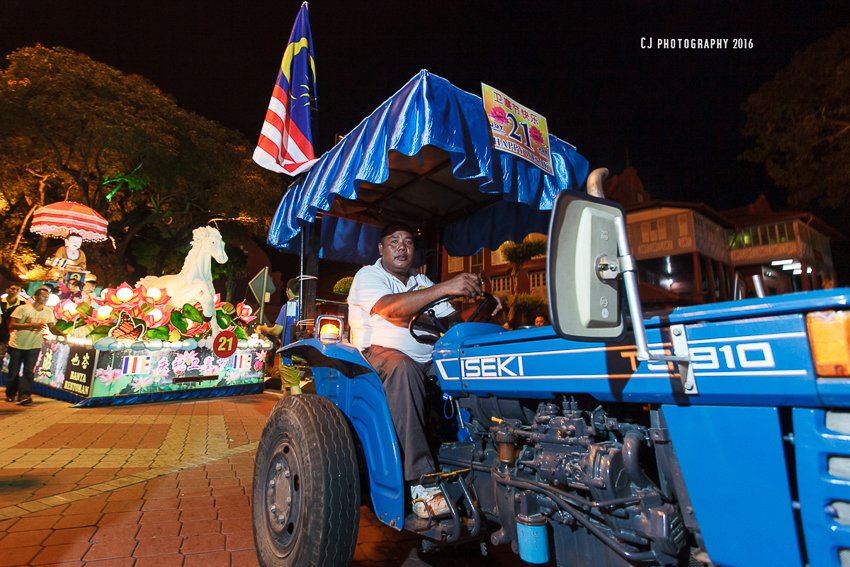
[(287, 138), (282, 147)]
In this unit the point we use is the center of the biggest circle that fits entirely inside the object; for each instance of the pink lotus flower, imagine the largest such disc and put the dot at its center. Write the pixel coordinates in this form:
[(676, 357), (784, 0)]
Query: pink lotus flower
[(536, 136), (125, 298), (244, 312), (156, 297), (66, 310), (258, 364), (156, 317), (108, 376), (160, 371), (141, 382), (187, 358), (498, 114), (195, 329)]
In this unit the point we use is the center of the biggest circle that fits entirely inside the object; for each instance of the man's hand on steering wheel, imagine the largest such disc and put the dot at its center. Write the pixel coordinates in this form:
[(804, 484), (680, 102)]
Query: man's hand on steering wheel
[(426, 319), (462, 285)]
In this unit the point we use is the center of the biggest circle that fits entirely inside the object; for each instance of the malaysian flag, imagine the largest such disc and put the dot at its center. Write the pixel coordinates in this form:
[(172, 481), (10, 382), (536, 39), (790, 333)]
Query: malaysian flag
[(286, 140)]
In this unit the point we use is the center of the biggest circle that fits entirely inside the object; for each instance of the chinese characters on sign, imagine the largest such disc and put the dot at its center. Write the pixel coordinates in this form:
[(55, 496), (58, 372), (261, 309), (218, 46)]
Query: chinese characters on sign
[(80, 371), (516, 129)]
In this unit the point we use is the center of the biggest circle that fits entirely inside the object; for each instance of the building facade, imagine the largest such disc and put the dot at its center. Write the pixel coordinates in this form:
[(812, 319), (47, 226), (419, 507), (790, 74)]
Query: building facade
[(688, 253)]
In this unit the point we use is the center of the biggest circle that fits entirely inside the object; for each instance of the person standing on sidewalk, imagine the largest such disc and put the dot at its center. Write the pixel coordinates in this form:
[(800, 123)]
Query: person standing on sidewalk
[(7, 305), (27, 326)]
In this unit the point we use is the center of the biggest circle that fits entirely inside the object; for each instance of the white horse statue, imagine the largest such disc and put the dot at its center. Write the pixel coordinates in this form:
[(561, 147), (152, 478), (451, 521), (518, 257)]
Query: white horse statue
[(194, 282)]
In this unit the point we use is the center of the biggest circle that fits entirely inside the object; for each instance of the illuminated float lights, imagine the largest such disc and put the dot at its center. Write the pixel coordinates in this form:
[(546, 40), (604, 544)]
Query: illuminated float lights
[(111, 344)]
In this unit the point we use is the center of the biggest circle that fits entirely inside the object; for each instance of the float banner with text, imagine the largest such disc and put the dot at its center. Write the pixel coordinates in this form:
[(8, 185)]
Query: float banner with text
[(517, 129)]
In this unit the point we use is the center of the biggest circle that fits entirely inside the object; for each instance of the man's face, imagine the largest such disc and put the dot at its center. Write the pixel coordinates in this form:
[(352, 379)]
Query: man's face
[(40, 297), (74, 285), (88, 287), (397, 251), (73, 242), (540, 322), (12, 291)]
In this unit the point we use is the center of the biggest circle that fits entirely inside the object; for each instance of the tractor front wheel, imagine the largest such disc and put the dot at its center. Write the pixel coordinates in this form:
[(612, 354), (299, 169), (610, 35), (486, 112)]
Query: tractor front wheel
[(306, 493)]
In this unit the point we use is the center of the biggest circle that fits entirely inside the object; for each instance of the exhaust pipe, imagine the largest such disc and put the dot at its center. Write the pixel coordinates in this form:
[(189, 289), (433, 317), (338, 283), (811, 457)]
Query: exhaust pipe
[(594, 182)]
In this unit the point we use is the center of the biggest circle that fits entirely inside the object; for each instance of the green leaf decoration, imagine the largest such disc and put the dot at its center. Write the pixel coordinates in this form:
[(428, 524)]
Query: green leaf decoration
[(192, 314), (224, 320), (84, 309), (178, 322), (95, 335), (64, 325), (98, 332), (158, 333), (240, 334)]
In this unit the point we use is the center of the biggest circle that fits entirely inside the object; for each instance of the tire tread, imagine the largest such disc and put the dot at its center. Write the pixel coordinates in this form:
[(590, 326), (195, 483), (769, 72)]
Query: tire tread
[(329, 529)]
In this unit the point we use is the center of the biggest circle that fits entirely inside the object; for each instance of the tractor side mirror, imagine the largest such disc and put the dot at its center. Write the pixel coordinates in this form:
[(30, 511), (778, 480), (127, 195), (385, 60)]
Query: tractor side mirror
[(584, 268)]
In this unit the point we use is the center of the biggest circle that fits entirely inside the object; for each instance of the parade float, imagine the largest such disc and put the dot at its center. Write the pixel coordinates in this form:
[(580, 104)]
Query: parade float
[(163, 338)]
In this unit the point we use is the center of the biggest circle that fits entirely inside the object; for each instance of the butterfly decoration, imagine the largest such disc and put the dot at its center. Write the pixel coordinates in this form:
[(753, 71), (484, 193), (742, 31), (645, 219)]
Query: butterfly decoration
[(126, 328)]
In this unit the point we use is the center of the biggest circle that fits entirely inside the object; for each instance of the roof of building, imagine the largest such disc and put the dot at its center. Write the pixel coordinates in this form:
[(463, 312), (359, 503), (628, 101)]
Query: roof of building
[(628, 190)]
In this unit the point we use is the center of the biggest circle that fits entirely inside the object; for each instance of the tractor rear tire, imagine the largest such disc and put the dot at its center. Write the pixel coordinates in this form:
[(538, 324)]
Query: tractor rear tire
[(306, 494)]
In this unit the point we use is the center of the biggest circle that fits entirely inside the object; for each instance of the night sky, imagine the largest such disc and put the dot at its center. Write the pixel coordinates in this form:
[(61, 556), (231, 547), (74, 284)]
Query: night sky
[(677, 113)]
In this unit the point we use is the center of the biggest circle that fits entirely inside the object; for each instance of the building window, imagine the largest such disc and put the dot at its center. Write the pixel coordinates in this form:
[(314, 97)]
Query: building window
[(538, 280), (538, 284), (496, 257), (455, 264), (476, 262), (501, 284), (762, 235)]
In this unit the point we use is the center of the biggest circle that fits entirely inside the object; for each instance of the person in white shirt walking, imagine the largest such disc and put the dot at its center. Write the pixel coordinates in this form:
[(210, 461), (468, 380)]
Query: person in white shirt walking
[(27, 325)]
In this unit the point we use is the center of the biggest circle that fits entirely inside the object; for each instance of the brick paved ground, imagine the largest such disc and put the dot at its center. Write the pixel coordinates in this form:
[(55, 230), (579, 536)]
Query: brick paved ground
[(155, 484)]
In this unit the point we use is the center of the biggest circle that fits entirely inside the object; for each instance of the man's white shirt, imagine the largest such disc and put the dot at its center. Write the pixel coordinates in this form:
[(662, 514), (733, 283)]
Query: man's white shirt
[(372, 283)]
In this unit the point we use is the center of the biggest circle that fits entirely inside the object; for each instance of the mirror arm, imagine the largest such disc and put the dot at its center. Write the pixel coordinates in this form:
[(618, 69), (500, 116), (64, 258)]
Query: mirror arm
[(628, 268)]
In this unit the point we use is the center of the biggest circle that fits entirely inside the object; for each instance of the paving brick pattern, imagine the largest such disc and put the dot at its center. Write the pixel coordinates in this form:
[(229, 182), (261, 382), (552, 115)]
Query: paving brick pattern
[(152, 485)]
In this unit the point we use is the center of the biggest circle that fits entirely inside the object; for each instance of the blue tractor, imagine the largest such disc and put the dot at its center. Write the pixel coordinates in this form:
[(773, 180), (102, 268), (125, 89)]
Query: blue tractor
[(715, 434)]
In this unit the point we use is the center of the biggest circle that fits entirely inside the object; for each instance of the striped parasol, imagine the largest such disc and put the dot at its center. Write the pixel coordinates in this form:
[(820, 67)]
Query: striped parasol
[(64, 218)]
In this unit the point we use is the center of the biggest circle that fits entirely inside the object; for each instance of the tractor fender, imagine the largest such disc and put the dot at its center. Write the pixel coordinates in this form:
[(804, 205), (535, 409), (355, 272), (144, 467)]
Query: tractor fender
[(343, 376)]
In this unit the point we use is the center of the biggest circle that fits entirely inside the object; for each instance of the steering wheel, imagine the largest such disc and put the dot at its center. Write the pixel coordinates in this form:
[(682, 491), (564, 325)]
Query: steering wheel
[(434, 329)]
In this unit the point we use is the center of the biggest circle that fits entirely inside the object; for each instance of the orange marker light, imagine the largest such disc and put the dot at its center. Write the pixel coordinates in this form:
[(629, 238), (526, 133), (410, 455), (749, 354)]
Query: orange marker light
[(829, 335), (329, 333)]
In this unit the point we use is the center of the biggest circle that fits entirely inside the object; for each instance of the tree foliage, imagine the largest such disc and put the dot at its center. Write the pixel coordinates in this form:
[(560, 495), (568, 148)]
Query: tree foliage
[(517, 255), (801, 124), (76, 129)]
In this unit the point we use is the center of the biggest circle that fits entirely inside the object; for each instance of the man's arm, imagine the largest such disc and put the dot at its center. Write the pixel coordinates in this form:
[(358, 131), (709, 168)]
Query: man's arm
[(269, 330), (54, 330), (17, 324), (398, 308)]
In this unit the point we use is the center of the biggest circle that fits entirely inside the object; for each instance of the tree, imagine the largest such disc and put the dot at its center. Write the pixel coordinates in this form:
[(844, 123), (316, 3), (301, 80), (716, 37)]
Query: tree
[(801, 124), (517, 255), (78, 129)]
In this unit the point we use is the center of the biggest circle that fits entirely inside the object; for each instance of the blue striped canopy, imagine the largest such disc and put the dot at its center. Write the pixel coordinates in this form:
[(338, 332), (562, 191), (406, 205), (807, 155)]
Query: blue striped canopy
[(425, 156)]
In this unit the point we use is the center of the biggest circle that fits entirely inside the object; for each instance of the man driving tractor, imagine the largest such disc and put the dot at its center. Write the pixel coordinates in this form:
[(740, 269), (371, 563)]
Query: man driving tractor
[(382, 300)]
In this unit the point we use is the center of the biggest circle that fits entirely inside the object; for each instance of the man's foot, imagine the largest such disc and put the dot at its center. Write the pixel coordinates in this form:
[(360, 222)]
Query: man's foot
[(25, 401), (428, 502)]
